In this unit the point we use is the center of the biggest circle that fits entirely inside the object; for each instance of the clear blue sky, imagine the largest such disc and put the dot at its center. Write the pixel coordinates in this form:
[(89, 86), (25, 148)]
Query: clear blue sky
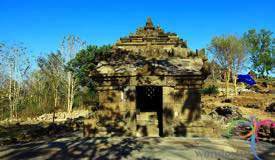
[(41, 24)]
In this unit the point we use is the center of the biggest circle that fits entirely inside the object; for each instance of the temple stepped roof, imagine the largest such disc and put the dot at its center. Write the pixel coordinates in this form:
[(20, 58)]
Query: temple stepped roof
[(151, 34), (151, 51)]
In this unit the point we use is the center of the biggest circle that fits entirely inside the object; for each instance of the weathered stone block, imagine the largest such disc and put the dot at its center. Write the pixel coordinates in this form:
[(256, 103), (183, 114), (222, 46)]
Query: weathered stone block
[(182, 82), (123, 106), (168, 98), (130, 118), (133, 81), (190, 115), (170, 81), (89, 127), (112, 81), (195, 86), (168, 128), (182, 87), (150, 80), (167, 106), (185, 113), (179, 96), (110, 96), (150, 130), (147, 116), (178, 108), (168, 90), (131, 105), (110, 106), (195, 82)]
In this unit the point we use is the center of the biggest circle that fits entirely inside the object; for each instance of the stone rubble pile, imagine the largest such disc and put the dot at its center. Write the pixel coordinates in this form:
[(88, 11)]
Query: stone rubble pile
[(63, 116), (270, 108), (48, 118), (226, 113)]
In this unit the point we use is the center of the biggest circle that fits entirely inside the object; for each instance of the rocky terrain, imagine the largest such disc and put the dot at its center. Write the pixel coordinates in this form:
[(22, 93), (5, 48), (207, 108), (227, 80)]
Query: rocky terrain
[(257, 101)]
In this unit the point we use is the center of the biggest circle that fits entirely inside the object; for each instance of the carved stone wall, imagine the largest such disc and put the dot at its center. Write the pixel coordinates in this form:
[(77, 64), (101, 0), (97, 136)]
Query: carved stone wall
[(180, 101)]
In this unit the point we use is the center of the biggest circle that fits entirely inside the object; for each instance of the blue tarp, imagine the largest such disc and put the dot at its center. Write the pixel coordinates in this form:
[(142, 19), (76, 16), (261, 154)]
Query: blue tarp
[(246, 79)]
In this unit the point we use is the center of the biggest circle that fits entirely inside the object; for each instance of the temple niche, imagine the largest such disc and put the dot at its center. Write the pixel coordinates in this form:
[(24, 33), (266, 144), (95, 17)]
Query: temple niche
[(149, 86)]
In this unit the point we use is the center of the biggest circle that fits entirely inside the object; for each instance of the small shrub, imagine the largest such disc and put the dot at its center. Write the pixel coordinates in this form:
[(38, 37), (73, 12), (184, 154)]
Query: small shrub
[(210, 90)]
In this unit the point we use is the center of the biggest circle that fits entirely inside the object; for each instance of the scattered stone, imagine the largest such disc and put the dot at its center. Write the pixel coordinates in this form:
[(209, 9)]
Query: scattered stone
[(264, 84), (227, 100), (270, 108), (63, 116), (253, 105), (226, 113), (260, 89), (7, 141)]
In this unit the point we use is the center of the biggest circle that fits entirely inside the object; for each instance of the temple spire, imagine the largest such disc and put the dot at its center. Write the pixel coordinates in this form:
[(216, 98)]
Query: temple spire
[(149, 23)]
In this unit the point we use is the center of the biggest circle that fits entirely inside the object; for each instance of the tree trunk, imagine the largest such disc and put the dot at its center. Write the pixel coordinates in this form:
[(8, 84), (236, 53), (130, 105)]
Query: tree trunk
[(235, 85), (227, 82), (55, 102), (10, 93), (213, 75), (69, 92), (72, 93)]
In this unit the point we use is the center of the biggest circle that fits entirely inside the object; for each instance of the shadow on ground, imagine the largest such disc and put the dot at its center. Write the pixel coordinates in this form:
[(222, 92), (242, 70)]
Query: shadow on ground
[(96, 148)]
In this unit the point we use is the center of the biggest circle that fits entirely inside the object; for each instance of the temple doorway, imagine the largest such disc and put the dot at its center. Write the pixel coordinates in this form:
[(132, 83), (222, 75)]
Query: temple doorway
[(150, 109)]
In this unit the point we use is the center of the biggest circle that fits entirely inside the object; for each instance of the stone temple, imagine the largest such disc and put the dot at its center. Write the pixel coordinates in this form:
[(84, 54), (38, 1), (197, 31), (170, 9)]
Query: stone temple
[(150, 86)]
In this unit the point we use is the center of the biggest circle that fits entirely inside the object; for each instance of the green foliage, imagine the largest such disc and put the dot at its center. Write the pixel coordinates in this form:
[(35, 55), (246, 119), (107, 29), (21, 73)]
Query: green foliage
[(261, 47), (225, 50), (81, 66), (210, 90), (85, 98), (85, 61)]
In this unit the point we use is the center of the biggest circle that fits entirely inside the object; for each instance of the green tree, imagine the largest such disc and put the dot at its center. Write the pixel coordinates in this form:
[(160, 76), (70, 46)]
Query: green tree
[(238, 60), (81, 66), (86, 60), (261, 47), (228, 53)]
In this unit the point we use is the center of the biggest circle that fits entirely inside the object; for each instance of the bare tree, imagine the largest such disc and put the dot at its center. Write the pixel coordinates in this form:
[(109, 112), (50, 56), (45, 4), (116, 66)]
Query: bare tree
[(52, 68), (69, 47), (16, 66)]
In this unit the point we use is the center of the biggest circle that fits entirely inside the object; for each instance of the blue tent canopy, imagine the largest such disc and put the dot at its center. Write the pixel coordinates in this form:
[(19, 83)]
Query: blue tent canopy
[(246, 79)]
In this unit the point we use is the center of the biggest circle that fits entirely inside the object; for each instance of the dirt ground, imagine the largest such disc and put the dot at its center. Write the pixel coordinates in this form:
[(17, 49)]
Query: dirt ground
[(244, 103), (252, 103)]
